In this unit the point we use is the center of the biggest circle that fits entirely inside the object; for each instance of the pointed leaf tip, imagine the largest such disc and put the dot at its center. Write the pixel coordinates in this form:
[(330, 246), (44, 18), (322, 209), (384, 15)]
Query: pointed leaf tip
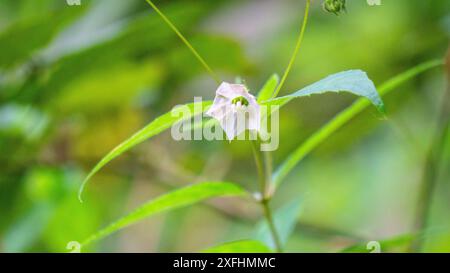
[(353, 81)]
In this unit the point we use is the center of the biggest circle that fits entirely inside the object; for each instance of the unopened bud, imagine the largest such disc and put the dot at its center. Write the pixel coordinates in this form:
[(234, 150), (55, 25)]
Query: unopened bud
[(334, 6)]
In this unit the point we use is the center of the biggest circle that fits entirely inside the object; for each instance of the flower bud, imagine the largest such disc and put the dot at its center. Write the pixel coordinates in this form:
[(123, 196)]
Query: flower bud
[(334, 6)]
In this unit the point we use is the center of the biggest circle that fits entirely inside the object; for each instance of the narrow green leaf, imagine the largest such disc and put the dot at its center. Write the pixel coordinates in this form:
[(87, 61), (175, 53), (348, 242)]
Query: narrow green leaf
[(243, 246), (353, 81), (269, 88), (176, 199), (386, 245), (342, 118), (285, 219), (157, 126)]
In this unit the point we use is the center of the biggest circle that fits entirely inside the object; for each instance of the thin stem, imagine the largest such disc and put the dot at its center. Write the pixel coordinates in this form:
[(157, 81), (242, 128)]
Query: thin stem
[(259, 168), (268, 167), (186, 42), (296, 50), (273, 230), (265, 174)]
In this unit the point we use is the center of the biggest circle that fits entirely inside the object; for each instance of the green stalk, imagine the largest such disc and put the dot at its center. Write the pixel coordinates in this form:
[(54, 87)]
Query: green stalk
[(186, 42), (265, 166), (268, 172), (265, 174), (296, 50), (273, 230), (265, 169), (259, 169)]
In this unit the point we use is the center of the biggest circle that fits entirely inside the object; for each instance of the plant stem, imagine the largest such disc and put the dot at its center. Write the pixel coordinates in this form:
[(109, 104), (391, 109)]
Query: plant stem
[(265, 169), (186, 42), (296, 50), (260, 169), (271, 223), (268, 172), (264, 174)]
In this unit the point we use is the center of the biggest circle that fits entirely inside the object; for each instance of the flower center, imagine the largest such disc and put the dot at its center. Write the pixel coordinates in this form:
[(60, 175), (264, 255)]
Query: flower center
[(241, 100)]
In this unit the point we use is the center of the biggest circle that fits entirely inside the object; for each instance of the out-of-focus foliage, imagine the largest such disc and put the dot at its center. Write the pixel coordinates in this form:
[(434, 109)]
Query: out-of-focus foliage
[(75, 81), (244, 246)]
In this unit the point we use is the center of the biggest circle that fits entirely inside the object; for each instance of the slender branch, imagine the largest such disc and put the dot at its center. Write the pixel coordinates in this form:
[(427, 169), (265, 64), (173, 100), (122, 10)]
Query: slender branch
[(185, 41), (268, 167), (265, 199), (296, 50), (270, 221), (265, 169), (265, 173), (260, 169)]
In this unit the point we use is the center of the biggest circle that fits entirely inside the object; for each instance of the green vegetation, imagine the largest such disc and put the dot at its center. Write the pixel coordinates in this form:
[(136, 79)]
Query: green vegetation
[(86, 94)]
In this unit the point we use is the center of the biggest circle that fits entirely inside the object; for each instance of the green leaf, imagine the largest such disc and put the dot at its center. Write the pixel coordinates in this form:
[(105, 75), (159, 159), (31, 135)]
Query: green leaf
[(353, 81), (285, 220), (157, 126), (173, 200), (243, 246), (342, 118), (269, 87)]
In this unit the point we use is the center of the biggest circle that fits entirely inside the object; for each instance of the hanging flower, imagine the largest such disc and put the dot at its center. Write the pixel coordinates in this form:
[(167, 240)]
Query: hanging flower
[(235, 109)]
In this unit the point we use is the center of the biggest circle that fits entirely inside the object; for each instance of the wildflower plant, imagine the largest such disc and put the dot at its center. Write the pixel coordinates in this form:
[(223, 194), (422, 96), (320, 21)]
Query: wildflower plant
[(233, 100)]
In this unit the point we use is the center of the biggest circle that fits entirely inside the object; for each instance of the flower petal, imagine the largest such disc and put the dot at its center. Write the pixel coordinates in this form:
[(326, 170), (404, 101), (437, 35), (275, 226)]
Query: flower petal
[(235, 118)]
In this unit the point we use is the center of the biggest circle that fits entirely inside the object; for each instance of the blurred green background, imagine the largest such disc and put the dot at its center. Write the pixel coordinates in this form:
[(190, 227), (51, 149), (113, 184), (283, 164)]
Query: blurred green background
[(77, 80)]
